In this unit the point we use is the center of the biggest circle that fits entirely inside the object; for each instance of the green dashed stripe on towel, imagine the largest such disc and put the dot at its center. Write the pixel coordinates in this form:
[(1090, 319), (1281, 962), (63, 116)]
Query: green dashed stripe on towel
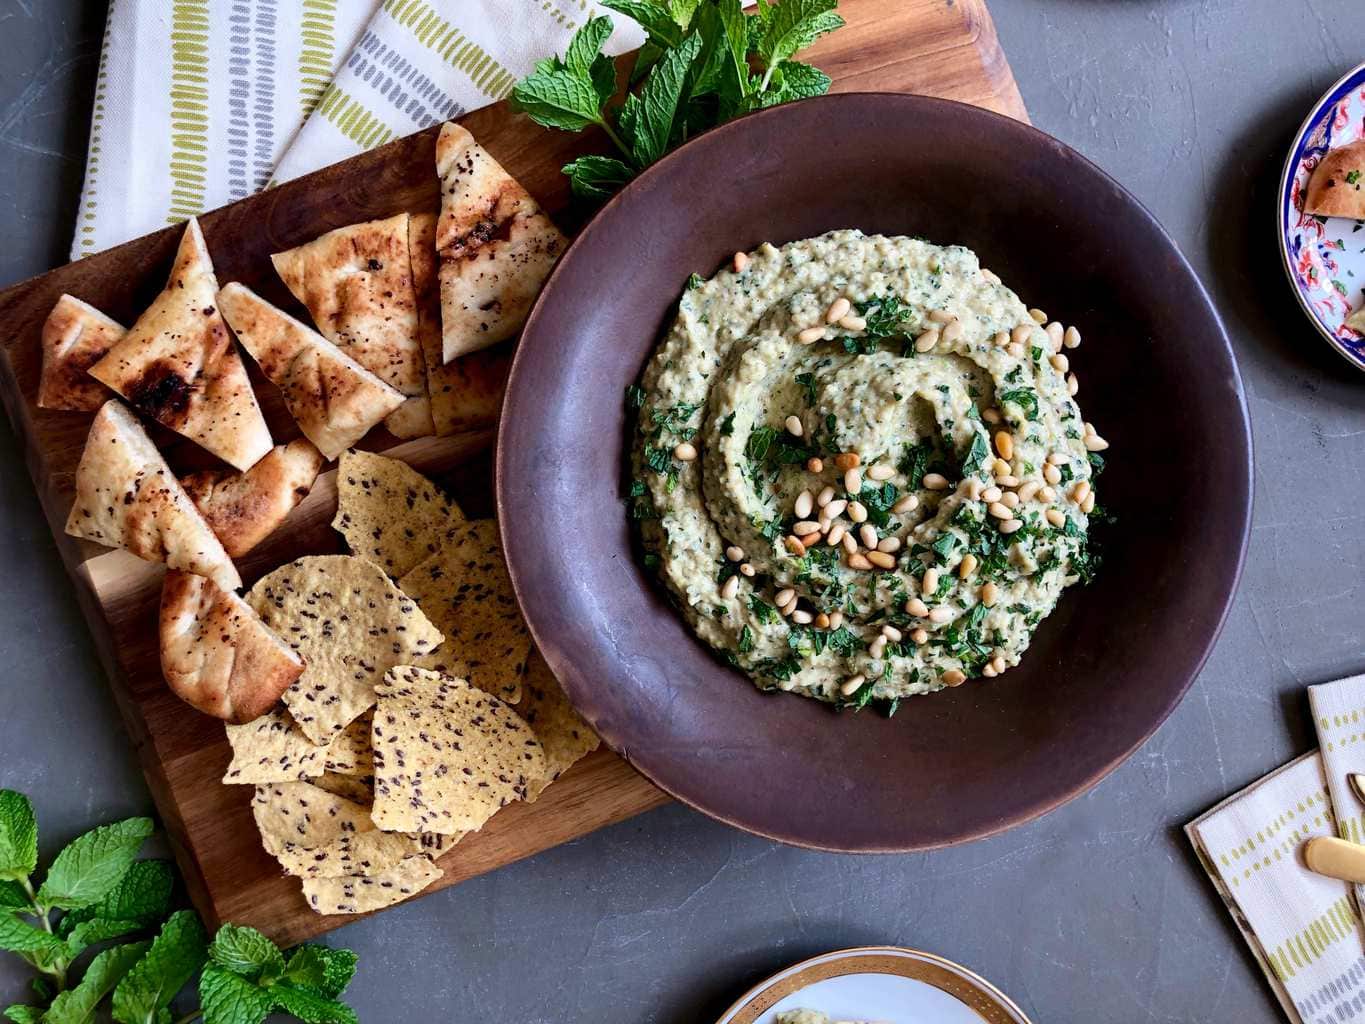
[(453, 46), (189, 107), (317, 54), (1298, 951), (352, 119), (92, 162)]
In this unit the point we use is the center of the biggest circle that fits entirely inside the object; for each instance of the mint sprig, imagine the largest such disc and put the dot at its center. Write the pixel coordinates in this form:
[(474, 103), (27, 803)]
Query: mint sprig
[(703, 63)]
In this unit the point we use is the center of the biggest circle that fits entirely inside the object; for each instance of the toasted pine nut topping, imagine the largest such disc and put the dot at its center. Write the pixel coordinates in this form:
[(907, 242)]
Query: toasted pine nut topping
[(1008, 480), (1056, 459), (952, 332), (730, 587), (857, 561), (1004, 444), (998, 663), (954, 677), (740, 261), (822, 621), (836, 534), (906, 504), (1000, 468), (1047, 494), (920, 636), (990, 275), (845, 461), (877, 647), (794, 426), (991, 416), (1088, 505), (1060, 363), (1079, 491), (972, 488), (852, 323), (1001, 339), (892, 633), (1021, 334), (941, 316), (850, 543), (1015, 349), (1010, 499), (825, 496), (857, 511), (881, 471), (988, 670), (815, 465), (783, 596), (1056, 517), (1039, 317), (916, 607), (941, 614), (990, 593), (810, 335), (967, 566), (836, 507), (992, 494), (734, 553), (853, 480), (1009, 526), (1073, 384), (929, 583), (889, 544), (1095, 443), (805, 527), (1000, 510), (802, 618), (745, 569), (927, 340), (1055, 334), (685, 452), (795, 546), (935, 481), (850, 685), (881, 559), (1028, 489), (836, 619), (867, 533), (804, 503), (1071, 338), (838, 309), (1052, 474)]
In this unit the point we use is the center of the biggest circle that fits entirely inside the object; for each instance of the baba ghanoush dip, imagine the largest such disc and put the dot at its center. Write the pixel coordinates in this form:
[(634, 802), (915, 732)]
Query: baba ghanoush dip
[(860, 468)]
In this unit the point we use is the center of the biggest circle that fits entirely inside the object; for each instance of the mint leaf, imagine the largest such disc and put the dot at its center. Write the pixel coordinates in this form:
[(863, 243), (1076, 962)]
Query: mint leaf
[(18, 836), (22, 1014), (92, 864), (41, 949), (646, 117), (793, 25), (246, 952), (310, 1007), (227, 998), (597, 177), (12, 896), (327, 970), (99, 929), (175, 955), (77, 1005), (586, 45), (662, 29), (557, 98), (793, 80), (143, 895)]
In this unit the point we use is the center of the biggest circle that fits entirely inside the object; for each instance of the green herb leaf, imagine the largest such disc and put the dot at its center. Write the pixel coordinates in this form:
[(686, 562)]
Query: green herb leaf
[(586, 45), (18, 836), (557, 98), (32, 943), (246, 952), (646, 117), (174, 957), (20, 1013), (727, 425), (227, 998), (658, 21), (327, 970), (98, 929), (1025, 398), (13, 897), (92, 864), (795, 81), (793, 25), (142, 895), (311, 1007), (977, 455), (597, 177), (77, 1005)]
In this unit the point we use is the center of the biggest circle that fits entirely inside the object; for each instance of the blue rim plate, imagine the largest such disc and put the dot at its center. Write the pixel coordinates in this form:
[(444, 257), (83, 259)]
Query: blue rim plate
[(1324, 257)]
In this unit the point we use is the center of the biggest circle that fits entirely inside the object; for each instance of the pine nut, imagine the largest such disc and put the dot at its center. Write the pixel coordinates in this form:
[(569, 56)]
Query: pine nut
[(990, 275), (1052, 474), (810, 335), (741, 261), (941, 316), (825, 496), (1056, 459), (853, 480), (853, 323), (967, 566), (1021, 334), (795, 546), (1015, 350), (838, 309), (941, 614), (889, 544), (1009, 526), (836, 534), (1071, 338), (988, 670), (857, 511), (892, 633), (914, 606), (952, 332), (991, 416), (992, 494), (1000, 510), (1047, 495), (822, 621), (877, 647), (1001, 339), (856, 561), (935, 481), (881, 559), (836, 507), (906, 504), (794, 426), (1056, 517), (998, 663), (1060, 363), (1088, 505), (920, 636), (745, 569), (836, 619), (881, 471), (1008, 480), (1073, 384), (730, 587), (850, 685), (814, 465), (1000, 468), (804, 528), (954, 677), (1004, 444), (927, 340), (734, 553), (1079, 492), (685, 452), (802, 618), (845, 461), (928, 586), (804, 504), (783, 596), (1095, 443), (825, 521), (1055, 333), (972, 489), (867, 533), (850, 543), (788, 608), (1088, 428), (1039, 317), (1028, 490), (1010, 499), (990, 593)]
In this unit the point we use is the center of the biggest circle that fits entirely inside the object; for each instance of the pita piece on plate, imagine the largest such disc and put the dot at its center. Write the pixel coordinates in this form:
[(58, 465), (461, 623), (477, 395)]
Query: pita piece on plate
[(333, 398), (245, 508), (359, 894), (1337, 187), (447, 756), (303, 815), (127, 497), (465, 590), (562, 734), (216, 654), (273, 749), (496, 247), (355, 853), (1356, 321), (177, 364), (76, 336), (466, 393), (390, 513), (350, 753), (351, 624), (357, 284)]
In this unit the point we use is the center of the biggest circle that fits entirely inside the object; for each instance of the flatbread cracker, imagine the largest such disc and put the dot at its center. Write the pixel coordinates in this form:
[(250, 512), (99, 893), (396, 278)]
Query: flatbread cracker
[(390, 513), (304, 816), (355, 853), (357, 284), (352, 787), (272, 749), (562, 734), (466, 393), (351, 624), (76, 336), (464, 588), (496, 247), (351, 753), (245, 508), (177, 364), (447, 756), (334, 399), (1337, 187), (126, 497), (358, 895)]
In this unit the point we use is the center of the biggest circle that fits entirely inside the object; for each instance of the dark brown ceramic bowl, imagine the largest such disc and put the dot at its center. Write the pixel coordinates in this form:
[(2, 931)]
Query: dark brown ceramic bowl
[(1157, 378)]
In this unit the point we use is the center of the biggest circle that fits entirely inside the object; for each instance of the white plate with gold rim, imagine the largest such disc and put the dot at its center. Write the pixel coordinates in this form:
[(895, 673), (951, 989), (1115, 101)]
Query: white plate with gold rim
[(885, 984)]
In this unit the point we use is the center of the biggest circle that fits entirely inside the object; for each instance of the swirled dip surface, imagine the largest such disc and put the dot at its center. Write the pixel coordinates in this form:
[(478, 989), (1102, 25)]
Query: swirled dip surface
[(974, 467)]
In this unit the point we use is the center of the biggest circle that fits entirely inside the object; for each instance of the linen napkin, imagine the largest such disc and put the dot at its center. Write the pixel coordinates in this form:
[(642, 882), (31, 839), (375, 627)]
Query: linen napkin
[(1339, 715), (1302, 927), (201, 102)]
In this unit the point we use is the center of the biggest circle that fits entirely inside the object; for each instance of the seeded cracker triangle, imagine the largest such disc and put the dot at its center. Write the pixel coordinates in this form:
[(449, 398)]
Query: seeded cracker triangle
[(357, 894), (177, 364)]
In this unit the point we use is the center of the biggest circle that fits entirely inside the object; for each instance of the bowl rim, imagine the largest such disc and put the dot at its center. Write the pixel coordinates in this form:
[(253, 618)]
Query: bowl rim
[(1038, 809), (1283, 204)]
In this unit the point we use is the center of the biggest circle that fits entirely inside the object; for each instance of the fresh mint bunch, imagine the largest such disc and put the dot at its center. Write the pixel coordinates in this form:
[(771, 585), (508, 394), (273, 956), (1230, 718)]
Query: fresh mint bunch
[(703, 63), (96, 891)]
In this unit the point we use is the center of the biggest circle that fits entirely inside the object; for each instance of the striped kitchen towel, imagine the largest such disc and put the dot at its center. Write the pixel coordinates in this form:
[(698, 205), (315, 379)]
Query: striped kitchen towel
[(201, 102), (1339, 715)]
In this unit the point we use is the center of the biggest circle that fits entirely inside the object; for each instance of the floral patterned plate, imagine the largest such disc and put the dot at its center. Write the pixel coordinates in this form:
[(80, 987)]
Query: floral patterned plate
[(1325, 256)]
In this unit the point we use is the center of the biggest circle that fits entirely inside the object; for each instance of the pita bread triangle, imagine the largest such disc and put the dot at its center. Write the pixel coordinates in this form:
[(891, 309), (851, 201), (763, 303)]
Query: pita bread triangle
[(357, 284), (127, 497), (334, 399), (1337, 187), (76, 335), (496, 247), (177, 364)]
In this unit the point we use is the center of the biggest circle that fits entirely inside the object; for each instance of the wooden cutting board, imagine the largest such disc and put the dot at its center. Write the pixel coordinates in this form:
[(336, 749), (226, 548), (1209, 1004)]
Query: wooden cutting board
[(939, 47)]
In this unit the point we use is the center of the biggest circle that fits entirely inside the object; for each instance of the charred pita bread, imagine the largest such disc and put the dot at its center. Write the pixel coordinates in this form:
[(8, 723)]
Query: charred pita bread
[(390, 513), (126, 497), (177, 364), (447, 756), (76, 336), (357, 284), (333, 398), (305, 816), (245, 508), (496, 247), (1337, 187), (273, 749), (466, 393), (217, 655), (359, 894), (562, 734)]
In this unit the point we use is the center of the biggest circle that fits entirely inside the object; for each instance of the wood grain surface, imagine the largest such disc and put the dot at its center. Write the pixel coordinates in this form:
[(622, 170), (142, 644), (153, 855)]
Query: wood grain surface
[(938, 47)]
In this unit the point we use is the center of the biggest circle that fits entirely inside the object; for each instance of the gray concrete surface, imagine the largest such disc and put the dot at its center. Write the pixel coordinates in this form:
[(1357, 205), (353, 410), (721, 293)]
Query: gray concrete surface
[(1094, 913)]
